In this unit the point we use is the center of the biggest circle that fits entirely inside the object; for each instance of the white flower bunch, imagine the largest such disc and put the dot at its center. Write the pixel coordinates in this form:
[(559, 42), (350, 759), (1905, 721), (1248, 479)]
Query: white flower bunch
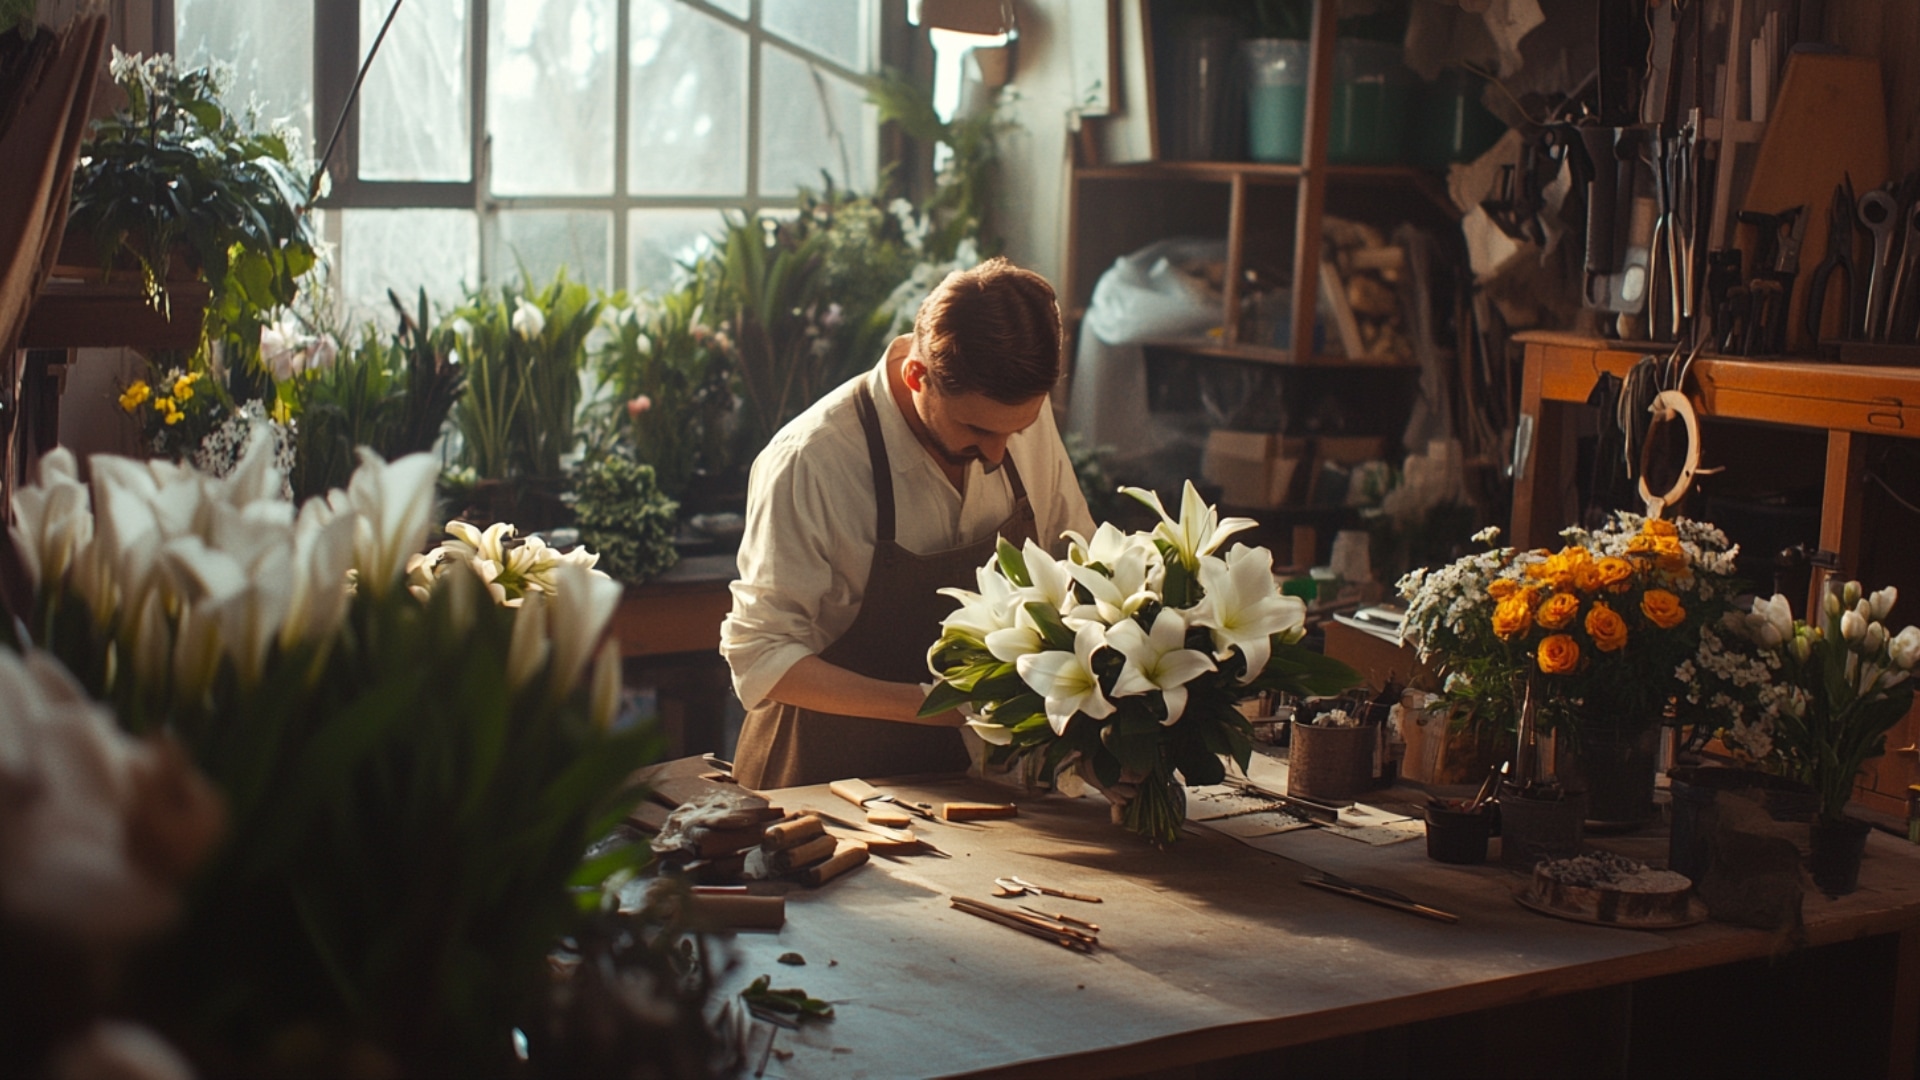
[(286, 350), (186, 572), (1052, 619), (219, 453), (510, 571)]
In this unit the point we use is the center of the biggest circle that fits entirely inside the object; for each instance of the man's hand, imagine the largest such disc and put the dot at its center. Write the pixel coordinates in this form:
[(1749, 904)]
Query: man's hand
[(813, 683)]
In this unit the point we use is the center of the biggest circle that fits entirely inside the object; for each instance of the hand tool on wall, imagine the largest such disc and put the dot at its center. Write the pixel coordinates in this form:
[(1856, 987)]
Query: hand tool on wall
[(1770, 289), (1879, 213), (1839, 260), (1908, 275)]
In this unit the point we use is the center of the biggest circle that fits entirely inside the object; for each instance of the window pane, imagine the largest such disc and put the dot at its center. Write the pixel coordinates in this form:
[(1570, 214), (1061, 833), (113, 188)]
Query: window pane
[(658, 241), (550, 96), (836, 29), (543, 241), (413, 108), (688, 103), (270, 49), (406, 250), (736, 8), (809, 121)]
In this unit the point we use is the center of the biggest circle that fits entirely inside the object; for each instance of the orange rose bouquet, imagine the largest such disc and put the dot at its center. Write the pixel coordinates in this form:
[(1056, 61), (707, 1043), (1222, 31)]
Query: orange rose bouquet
[(1603, 628)]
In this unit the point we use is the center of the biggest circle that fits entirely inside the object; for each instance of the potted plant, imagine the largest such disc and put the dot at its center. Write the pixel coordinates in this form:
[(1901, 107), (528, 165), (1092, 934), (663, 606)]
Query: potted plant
[(1595, 635), (1834, 688)]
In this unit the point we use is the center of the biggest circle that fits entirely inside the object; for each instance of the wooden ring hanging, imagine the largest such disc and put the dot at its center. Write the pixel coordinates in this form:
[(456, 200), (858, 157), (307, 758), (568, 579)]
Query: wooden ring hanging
[(1666, 405)]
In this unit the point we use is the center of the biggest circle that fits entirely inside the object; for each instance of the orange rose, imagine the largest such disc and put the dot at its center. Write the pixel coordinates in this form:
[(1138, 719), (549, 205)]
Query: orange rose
[(1559, 654), (1607, 629), (1659, 527), (1558, 611), (1503, 588), (1586, 576), (1513, 617), (1669, 553), (1663, 609), (1615, 573)]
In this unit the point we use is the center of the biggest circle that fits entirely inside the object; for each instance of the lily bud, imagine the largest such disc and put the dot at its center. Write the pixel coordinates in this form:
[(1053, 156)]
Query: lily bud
[(1905, 648), (1850, 593), (1882, 600)]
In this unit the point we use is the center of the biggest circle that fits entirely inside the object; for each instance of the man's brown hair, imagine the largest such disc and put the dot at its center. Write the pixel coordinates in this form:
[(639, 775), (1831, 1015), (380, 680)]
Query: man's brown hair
[(993, 330)]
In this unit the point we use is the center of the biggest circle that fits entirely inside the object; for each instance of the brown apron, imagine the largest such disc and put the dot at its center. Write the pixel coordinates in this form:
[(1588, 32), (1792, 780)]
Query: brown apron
[(899, 620)]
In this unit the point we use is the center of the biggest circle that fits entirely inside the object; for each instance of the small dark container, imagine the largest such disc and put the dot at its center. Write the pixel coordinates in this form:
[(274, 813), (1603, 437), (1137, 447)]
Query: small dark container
[(1456, 835)]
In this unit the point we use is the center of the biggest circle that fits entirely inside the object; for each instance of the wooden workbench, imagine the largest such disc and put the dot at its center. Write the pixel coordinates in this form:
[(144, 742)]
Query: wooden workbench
[(1213, 951)]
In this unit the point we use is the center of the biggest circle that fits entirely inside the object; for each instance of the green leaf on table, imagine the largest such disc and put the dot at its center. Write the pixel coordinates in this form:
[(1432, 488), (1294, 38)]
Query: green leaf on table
[(792, 1001)]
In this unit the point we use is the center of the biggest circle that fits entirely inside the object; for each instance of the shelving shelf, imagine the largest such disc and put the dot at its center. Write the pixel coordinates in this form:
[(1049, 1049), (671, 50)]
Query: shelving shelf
[(1264, 354)]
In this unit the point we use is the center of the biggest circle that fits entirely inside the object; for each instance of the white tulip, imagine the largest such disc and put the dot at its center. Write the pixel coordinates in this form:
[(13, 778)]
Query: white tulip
[(1775, 616), (52, 521), (1066, 679), (1158, 660), (1853, 626), (1850, 593), (1242, 607), (1876, 637)]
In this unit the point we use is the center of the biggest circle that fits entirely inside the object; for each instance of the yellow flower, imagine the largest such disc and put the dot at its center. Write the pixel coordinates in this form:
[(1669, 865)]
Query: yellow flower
[(132, 396), (1616, 573), (174, 417), (1659, 527), (1669, 554), (1559, 654), (1558, 611), (1513, 616), (183, 390), (1606, 627), (1503, 588), (1663, 609)]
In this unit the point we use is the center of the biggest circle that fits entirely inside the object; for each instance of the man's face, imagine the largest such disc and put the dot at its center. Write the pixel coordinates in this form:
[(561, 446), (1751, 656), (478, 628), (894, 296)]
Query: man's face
[(967, 427)]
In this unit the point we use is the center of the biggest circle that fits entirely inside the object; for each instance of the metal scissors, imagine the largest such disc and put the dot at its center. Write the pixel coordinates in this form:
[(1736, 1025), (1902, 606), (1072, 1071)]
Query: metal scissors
[(1840, 219)]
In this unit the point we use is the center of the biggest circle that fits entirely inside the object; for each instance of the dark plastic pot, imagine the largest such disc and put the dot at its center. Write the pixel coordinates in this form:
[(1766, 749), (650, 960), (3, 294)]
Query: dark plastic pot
[(1695, 787), (1458, 836), (1837, 848), (1534, 830)]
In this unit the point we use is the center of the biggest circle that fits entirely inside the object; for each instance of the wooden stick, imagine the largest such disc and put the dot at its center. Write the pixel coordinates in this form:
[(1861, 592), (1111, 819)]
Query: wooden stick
[(1042, 920), (993, 914)]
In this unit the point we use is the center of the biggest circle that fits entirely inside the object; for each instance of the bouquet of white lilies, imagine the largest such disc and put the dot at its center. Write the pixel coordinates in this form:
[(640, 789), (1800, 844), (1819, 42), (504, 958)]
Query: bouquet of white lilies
[(1130, 654)]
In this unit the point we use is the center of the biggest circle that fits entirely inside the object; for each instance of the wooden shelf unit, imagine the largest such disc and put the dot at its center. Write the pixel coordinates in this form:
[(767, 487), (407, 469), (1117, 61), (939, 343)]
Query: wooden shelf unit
[(1857, 409)]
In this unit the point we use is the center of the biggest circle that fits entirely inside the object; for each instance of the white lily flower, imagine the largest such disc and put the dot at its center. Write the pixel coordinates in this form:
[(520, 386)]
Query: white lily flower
[(280, 349), (981, 613), (528, 320), (1158, 660), (1242, 607), (578, 609), (1052, 583), (53, 520), (1905, 648), (1008, 644), (391, 501), (529, 646), (1066, 679), (1200, 529), (604, 704), (1106, 547), (1117, 596)]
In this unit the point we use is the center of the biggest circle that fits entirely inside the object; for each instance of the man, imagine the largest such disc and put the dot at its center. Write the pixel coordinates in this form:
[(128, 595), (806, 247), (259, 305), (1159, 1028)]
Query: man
[(892, 487)]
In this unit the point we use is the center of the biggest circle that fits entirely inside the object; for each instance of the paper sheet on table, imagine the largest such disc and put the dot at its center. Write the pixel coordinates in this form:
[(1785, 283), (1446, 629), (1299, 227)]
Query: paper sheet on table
[(1367, 824)]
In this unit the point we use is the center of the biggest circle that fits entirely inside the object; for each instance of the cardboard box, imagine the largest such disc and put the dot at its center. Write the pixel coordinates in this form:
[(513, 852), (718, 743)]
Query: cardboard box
[(1253, 469)]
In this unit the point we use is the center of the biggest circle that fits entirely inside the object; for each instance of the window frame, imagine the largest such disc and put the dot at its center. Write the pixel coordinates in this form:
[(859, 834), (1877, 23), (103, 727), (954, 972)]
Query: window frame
[(337, 57)]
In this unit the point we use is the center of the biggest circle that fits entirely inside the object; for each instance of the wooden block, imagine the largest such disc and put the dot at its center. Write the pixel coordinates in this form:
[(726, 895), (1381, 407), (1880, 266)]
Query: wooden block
[(710, 842), (889, 818), (977, 811), (785, 834), (738, 911), (847, 855), (648, 817), (806, 853)]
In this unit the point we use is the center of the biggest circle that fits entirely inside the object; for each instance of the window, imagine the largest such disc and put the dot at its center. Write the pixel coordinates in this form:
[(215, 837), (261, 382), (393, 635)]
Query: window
[(611, 132)]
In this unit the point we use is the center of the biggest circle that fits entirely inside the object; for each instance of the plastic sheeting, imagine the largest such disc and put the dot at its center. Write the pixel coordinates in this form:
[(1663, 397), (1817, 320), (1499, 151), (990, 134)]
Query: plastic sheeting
[(1146, 296)]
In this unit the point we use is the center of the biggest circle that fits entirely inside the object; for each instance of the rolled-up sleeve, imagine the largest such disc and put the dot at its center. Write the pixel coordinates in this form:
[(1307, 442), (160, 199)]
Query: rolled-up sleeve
[(787, 573)]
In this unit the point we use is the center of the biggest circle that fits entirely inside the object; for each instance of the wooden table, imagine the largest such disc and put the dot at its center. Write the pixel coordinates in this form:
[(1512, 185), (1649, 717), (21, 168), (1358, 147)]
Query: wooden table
[(1213, 950)]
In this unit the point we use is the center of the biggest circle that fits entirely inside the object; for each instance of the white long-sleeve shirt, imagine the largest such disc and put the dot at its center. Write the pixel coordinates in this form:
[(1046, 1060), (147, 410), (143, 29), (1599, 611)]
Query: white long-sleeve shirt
[(810, 524)]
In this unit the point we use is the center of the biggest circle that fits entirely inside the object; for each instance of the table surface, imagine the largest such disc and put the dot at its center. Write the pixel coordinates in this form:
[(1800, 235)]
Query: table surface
[(1210, 948)]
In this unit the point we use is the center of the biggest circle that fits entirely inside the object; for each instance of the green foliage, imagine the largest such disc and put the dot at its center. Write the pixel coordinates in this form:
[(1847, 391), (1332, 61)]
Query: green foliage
[(673, 387), (18, 13), (175, 167), (625, 518), (963, 190), (392, 396), (523, 350)]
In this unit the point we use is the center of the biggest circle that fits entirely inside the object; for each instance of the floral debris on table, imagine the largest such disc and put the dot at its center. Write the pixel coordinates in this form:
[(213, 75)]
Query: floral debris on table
[(1131, 653), (1599, 629), (413, 782), (1812, 700)]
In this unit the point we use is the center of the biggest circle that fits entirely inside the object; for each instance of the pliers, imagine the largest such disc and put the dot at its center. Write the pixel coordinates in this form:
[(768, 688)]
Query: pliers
[(1839, 258)]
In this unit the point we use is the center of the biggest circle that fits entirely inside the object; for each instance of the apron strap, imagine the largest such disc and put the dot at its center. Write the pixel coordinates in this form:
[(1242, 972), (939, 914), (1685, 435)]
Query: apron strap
[(882, 471)]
